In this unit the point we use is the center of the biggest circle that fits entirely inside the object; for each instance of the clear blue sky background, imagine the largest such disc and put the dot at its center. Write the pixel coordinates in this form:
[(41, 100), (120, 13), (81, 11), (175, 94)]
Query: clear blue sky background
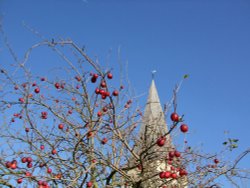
[(210, 40)]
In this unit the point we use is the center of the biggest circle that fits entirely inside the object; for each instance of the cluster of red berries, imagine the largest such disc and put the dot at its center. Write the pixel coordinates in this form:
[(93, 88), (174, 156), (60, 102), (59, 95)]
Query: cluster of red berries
[(11, 164), (102, 89), (174, 175), (16, 115), (43, 184), (102, 92), (175, 118), (94, 78), (127, 105), (59, 86), (27, 160), (173, 154)]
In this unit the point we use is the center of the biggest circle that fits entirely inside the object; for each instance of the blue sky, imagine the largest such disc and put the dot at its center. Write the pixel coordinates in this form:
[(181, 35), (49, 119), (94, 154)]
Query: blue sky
[(209, 40)]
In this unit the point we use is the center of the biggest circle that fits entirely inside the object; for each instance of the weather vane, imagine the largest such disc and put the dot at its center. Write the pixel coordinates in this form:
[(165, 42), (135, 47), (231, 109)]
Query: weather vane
[(153, 73)]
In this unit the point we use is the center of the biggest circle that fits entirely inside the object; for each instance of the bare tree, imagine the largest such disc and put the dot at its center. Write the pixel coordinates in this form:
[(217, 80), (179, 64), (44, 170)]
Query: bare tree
[(81, 128)]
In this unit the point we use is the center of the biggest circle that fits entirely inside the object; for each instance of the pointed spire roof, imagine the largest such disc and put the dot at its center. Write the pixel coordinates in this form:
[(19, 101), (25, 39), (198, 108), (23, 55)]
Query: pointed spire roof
[(153, 107)]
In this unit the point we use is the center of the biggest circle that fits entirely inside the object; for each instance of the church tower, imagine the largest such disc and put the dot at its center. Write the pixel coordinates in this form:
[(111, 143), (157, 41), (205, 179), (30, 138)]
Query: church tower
[(153, 155)]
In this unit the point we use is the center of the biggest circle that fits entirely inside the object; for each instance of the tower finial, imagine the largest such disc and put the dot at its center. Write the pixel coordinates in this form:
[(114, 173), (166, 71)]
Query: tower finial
[(153, 74)]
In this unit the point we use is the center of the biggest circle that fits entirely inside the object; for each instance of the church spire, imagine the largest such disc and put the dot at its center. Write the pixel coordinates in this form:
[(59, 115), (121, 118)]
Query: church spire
[(152, 128)]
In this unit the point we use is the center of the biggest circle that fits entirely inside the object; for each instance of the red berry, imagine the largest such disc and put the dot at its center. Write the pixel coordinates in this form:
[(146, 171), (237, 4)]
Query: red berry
[(89, 184), (20, 180), (40, 182), (174, 175), (27, 130), (29, 165), (78, 78), (53, 151), (42, 147), (162, 175), (183, 172), (102, 92), (160, 142), (216, 161), (44, 115), (110, 76), (115, 93), (184, 128), (28, 174), (13, 166), (93, 79), (105, 109), (99, 114), (90, 134), (104, 141), (37, 90), (95, 76), (60, 126), (167, 174), (97, 91), (49, 170), (104, 96), (8, 164), (174, 117), (21, 100), (177, 154), (171, 154), (57, 85), (24, 160), (103, 84), (29, 159)]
